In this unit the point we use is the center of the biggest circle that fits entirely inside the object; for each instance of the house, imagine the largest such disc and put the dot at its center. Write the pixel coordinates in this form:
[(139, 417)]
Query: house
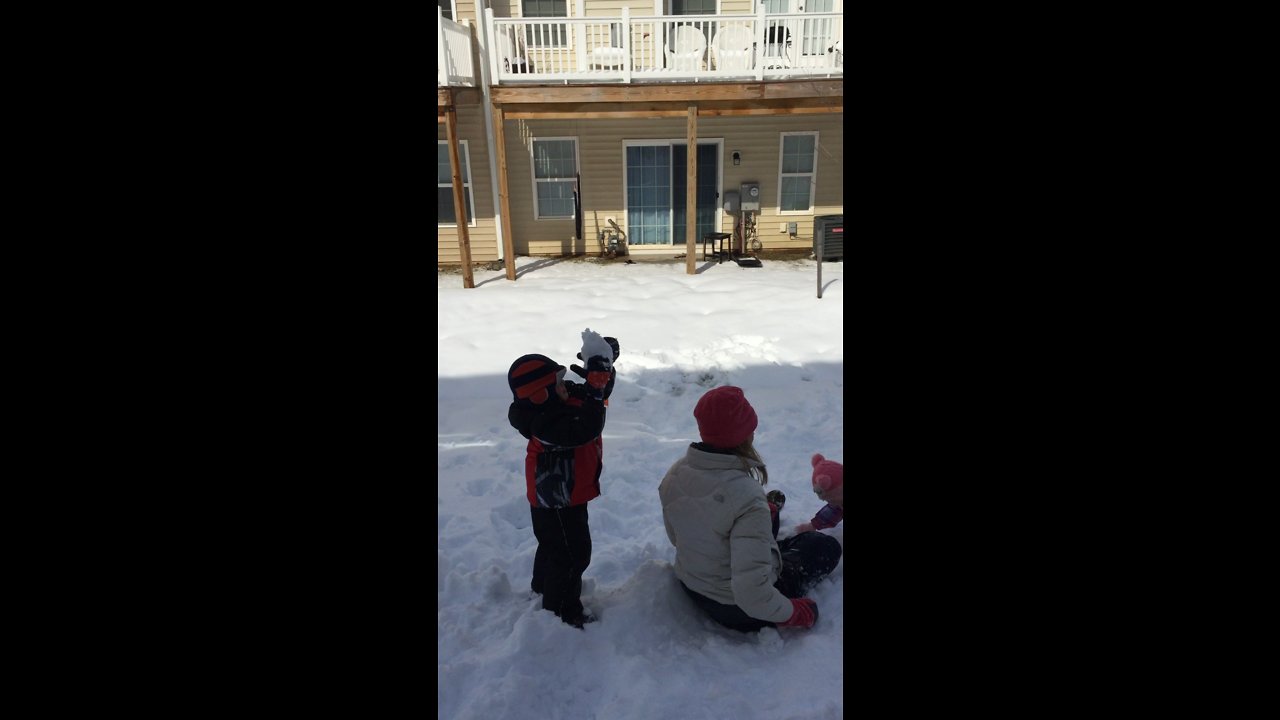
[(581, 112)]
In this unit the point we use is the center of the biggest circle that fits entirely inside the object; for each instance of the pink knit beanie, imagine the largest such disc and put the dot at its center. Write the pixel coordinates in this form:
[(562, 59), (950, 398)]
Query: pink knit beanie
[(725, 418), (827, 474)]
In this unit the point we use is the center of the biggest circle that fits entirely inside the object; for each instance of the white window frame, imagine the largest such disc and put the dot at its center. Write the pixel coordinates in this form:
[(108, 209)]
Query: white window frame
[(813, 176), (666, 5), (569, 7), (533, 175), (453, 10), (467, 184)]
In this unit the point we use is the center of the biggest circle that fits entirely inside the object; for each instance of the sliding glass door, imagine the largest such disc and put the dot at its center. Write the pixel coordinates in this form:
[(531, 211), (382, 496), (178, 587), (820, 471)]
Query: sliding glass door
[(656, 190), (706, 196)]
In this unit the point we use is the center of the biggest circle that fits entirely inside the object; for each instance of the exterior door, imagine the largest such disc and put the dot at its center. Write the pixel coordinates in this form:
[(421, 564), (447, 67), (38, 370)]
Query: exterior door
[(656, 191), (707, 196), (648, 182)]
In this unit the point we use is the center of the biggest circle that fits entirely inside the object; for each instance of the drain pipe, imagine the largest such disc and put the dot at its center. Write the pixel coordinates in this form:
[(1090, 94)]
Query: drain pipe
[(488, 126)]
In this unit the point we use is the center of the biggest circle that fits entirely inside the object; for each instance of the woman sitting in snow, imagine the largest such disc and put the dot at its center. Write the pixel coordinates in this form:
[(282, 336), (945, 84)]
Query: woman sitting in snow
[(727, 557)]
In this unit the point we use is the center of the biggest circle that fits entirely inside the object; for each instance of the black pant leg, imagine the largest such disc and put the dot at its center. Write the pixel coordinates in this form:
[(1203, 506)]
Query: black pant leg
[(577, 533), (542, 557), (564, 541), (730, 616), (807, 558)]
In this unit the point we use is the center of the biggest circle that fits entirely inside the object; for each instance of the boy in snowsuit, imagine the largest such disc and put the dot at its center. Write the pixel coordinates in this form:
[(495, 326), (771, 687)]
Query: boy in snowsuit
[(563, 422)]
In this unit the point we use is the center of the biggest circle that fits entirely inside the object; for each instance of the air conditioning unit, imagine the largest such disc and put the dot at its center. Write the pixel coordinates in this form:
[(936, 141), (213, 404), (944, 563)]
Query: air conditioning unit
[(829, 229)]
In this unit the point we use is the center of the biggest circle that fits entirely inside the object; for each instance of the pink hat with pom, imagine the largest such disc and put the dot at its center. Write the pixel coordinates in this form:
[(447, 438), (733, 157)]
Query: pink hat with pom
[(827, 474)]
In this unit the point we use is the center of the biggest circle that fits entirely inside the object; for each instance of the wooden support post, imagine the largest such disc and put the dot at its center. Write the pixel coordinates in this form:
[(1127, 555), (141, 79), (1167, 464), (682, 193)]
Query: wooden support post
[(504, 197), (691, 195), (459, 203)]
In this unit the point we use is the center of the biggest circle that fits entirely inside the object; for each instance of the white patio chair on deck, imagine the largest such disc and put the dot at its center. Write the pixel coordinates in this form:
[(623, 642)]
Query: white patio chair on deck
[(686, 49), (608, 57), (731, 49)]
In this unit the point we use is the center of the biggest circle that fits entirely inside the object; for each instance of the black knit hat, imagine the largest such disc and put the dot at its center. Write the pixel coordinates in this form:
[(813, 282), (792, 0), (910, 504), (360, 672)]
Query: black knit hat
[(530, 376)]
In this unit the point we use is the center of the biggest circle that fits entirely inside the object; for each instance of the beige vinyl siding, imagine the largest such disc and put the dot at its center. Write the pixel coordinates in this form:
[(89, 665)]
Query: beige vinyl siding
[(467, 9), (600, 153), (613, 8), (551, 236), (505, 8), (828, 193), (728, 7), (483, 237)]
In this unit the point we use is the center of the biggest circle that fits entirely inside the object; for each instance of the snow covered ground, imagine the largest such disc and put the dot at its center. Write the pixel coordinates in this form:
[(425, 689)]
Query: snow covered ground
[(652, 655)]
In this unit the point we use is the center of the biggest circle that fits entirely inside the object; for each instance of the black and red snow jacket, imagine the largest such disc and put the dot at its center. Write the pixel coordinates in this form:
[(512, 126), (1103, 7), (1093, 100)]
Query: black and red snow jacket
[(562, 463)]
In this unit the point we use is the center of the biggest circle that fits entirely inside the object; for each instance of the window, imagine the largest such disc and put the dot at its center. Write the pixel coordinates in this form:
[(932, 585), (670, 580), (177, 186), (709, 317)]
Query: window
[(446, 6), (555, 171), (444, 184), (545, 35), (693, 7), (797, 172)]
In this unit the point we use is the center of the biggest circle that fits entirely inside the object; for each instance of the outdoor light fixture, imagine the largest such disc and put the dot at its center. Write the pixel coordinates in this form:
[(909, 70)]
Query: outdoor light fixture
[(737, 159)]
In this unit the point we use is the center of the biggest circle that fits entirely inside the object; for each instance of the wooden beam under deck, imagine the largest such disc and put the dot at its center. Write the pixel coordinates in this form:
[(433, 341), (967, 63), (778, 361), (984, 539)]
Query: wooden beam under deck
[(452, 96), (684, 92), (720, 108)]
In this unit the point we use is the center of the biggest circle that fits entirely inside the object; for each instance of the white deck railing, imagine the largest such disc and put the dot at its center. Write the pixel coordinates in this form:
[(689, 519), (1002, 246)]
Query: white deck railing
[(453, 59), (655, 48)]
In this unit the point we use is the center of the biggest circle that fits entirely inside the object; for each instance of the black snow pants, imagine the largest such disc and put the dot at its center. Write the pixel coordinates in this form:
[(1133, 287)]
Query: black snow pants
[(564, 552)]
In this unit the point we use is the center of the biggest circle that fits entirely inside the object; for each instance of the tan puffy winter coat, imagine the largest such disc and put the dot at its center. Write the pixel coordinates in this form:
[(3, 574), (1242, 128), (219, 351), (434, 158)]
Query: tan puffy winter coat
[(718, 520)]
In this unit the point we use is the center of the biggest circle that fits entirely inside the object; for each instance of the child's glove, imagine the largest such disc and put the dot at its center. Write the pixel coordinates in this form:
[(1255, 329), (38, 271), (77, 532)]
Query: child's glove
[(598, 376), (613, 345), (803, 615), (599, 355), (776, 497)]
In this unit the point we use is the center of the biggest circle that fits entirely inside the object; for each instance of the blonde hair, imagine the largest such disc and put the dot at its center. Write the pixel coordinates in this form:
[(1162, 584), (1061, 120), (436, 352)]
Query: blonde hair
[(748, 450)]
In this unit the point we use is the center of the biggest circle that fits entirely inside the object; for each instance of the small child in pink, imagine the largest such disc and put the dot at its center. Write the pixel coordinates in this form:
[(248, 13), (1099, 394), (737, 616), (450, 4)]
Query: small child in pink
[(828, 484)]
